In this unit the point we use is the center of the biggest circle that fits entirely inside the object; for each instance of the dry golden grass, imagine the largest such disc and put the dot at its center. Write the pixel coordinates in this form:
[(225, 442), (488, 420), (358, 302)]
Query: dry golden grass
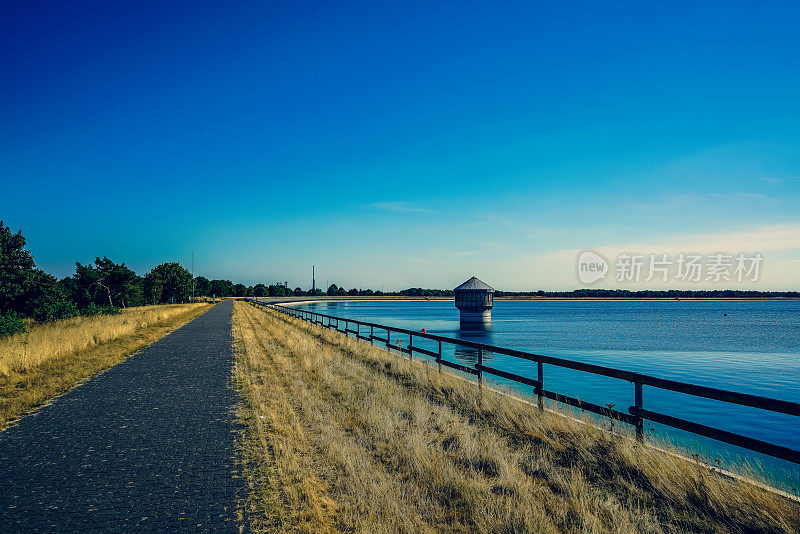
[(51, 358), (341, 436), (212, 300)]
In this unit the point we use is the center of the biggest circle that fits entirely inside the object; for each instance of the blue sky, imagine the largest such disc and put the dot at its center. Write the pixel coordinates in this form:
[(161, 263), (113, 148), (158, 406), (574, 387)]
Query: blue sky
[(400, 144)]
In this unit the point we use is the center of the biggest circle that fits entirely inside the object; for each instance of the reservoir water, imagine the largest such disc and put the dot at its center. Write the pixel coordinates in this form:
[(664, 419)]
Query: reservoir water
[(746, 346)]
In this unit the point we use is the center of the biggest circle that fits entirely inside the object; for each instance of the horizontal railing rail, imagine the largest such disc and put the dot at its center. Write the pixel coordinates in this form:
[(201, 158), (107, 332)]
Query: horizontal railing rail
[(636, 414)]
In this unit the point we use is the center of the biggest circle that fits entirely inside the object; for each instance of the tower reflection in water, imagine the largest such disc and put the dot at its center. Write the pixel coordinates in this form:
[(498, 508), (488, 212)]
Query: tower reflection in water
[(477, 333)]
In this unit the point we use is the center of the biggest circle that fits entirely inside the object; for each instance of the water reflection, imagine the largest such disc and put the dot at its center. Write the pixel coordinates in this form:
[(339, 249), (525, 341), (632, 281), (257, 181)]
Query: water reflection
[(465, 355), (477, 334)]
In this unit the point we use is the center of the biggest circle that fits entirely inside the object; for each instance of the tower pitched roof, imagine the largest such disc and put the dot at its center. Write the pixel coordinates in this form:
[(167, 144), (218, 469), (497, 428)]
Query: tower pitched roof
[(473, 284)]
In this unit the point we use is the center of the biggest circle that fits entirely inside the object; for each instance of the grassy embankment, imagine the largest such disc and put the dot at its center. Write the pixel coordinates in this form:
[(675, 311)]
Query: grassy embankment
[(344, 437), (52, 358)]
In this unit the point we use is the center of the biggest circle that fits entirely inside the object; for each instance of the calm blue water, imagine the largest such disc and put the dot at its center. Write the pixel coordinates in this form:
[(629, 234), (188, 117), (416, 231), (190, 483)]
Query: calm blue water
[(746, 346)]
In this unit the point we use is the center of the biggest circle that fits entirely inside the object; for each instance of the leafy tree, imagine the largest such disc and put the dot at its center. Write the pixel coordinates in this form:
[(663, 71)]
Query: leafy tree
[(260, 290), (105, 283), (24, 289), (11, 323), (240, 290), (277, 290), (121, 283), (50, 300), (202, 285), (168, 282), (83, 287), (333, 289), (298, 292), (153, 287), (221, 288), (17, 272)]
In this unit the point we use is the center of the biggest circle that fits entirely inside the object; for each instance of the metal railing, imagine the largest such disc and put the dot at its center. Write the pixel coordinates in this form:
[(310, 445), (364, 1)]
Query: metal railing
[(636, 414)]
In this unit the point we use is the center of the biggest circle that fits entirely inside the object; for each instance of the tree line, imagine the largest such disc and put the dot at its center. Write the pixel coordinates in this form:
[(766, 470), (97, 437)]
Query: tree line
[(101, 287), (334, 290), (654, 294), (105, 286)]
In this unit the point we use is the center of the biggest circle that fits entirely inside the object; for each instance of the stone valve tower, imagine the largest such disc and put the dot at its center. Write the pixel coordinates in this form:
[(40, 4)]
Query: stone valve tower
[(474, 300)]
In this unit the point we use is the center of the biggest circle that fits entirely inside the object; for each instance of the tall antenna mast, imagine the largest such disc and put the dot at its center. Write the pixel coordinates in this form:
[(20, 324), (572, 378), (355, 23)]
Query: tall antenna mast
[(192, 275), (313, 279)]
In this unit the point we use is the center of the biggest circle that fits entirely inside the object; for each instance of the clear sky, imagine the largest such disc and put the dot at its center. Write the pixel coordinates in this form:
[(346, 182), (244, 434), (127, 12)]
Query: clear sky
[(401, 144)]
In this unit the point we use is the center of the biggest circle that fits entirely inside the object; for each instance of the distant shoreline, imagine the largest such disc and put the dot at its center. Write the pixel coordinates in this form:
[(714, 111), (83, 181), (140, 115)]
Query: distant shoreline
[(400, 298)]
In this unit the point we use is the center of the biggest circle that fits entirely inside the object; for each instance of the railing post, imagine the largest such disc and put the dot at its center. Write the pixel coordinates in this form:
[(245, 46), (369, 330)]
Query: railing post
[(346, 328), (439, 356), (371, 333), (388, 343), (638, 404), (410, 347), (540, 387)]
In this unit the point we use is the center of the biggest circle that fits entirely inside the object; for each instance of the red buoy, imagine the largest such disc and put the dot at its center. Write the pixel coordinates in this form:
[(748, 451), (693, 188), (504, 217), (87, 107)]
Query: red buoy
[(422, 331)]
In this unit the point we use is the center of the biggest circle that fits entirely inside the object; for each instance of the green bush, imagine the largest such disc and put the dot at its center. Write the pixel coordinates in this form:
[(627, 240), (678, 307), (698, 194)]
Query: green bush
[(94, 309), (53, 309), (11, 323)]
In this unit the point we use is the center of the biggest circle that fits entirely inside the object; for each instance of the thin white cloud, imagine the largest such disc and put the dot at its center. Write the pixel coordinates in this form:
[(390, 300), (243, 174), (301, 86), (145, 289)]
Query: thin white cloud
[(782, 180), (439, 252), (556, 269), (401, 207), (762, 239), (690, 199)]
